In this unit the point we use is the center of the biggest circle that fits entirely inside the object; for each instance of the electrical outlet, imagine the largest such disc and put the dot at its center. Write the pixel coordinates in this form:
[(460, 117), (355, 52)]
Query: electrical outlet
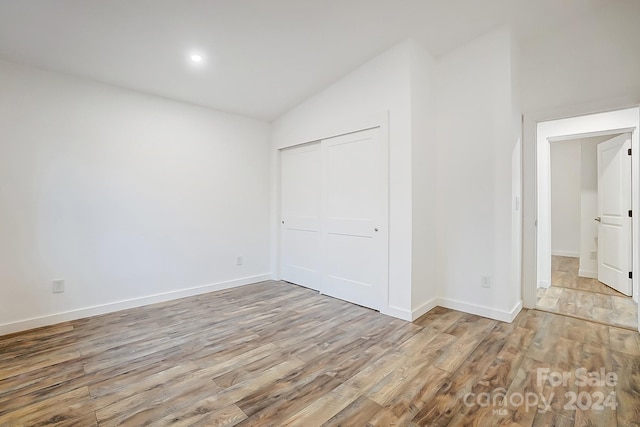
[(485, 281), (593, 255), (239, 260), (58, 286)]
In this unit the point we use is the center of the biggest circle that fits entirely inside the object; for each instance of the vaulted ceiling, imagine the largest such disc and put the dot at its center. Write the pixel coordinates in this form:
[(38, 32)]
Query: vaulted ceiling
[(260, 57)]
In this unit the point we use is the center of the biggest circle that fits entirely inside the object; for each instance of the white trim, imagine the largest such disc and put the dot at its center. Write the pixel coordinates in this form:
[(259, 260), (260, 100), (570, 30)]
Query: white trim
[(566, 253), (544, 284), (529, 199), (397, 312), (96, 310), (588, 273), (481, 310), (561, 138), (539, 130), (478, 310), (341, 127), (424, 308)]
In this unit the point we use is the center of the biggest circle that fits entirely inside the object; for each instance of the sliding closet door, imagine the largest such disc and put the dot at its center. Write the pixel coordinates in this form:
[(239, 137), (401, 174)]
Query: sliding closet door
[(300, 214), (354, 241), (334, 235)]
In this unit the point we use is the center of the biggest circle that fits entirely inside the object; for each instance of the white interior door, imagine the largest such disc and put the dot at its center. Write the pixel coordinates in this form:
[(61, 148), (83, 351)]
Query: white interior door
[(354, 238), (614, 204), (300, 198)]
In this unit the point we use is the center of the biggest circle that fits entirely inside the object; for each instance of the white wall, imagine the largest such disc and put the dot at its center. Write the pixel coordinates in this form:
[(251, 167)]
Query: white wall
[(583, 67), (578, 68), (424, 182), (574, 200), (594, 58), (589, 205), (515, 284), (123, 195), (565, 198), (477, 137)]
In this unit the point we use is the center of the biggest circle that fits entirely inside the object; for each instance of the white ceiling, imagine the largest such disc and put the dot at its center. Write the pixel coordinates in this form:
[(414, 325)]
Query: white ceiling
[(263, 57)]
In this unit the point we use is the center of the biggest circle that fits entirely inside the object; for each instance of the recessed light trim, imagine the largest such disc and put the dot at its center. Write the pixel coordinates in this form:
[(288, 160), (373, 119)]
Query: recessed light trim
[(195, 57)]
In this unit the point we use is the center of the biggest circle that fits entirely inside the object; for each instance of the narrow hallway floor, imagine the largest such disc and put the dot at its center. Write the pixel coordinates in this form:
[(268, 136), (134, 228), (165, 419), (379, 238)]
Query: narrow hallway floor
[(585, 298)]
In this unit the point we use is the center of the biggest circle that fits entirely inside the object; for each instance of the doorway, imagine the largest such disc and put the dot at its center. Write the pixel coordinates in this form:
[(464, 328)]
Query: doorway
[(581, 271), (590, 233)]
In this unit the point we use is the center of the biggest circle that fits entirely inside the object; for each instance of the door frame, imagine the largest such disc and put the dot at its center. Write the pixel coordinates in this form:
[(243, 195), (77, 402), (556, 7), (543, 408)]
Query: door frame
[(539, 132), (547, 134), (352, 125)]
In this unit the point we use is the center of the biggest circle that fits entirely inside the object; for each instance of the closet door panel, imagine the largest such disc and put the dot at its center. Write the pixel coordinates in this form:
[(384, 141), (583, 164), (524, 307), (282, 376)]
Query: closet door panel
[(353, 245), (300, 198)]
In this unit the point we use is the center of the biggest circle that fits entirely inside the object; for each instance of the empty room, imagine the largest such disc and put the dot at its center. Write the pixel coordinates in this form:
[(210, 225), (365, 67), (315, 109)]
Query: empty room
[(319, 213)]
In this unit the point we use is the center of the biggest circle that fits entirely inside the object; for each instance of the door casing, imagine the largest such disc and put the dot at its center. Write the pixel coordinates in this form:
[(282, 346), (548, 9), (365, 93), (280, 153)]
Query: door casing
[(568, 124)]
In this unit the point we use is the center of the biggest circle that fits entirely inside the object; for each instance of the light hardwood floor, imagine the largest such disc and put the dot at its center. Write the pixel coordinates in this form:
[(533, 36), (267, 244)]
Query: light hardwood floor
[(585, 298), (278, 354), (564, 274)]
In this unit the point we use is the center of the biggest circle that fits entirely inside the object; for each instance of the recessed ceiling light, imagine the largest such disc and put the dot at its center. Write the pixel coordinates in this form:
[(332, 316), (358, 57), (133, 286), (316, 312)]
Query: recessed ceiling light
[(196, 58)]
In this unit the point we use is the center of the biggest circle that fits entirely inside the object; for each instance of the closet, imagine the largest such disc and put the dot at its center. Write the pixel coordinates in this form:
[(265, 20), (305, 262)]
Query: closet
[(334, 217)]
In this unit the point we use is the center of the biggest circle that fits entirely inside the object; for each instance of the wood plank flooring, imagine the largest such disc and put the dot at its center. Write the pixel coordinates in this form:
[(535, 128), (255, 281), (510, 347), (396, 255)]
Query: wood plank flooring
[(585, 298), (275, 354), (564, 274)]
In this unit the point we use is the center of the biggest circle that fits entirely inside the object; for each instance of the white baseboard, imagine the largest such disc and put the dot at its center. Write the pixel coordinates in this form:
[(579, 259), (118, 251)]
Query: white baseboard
[(410, 316), (588, 273), (397, 312), (52, 319), (424, 308), (481, 310), (566, 253), (544, 284), (478, 310)]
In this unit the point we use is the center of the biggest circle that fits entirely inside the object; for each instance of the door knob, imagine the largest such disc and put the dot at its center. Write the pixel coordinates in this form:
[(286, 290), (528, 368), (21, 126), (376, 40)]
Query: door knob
[(598, 219)]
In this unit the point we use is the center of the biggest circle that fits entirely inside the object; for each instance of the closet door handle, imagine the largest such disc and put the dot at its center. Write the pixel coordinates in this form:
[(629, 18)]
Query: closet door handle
[(598, 219)]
